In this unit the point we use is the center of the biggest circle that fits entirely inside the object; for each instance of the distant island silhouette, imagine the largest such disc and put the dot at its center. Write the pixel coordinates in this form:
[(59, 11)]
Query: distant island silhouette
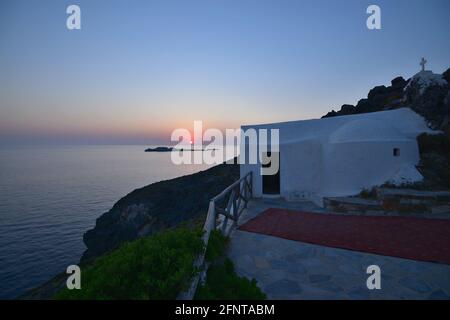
[(170, 149)]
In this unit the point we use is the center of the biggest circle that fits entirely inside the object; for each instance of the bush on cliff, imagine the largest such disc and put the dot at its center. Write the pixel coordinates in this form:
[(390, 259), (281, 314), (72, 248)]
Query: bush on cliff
[(222, 282), (216, 246), (435, 160), (154, 267)]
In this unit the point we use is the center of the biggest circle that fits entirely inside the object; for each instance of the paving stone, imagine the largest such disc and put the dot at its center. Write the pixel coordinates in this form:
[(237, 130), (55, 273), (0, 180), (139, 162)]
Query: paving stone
[(296, 269), (271, 255), (288, 269), (269, 275), (359, 293), (245, 260), (305, 253), (261, 263), (415, 284), (351, 268), (283, 287), (349, 281), (330, 286), (310, 292), (439, 295), (278, 264), (312, 263), (440, 209), (333, 253), (314, 278)]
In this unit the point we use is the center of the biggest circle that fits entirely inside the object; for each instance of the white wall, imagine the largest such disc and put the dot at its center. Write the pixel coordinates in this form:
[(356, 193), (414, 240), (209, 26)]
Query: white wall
[(311, 169), (340, 156), (352, 166), (301, 169)]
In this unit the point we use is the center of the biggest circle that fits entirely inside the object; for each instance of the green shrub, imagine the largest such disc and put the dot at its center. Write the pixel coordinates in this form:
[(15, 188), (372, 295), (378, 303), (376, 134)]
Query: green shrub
[(216, 245), (368, 193), (433, 143), (155, 267), (222, 283), (435, 160)]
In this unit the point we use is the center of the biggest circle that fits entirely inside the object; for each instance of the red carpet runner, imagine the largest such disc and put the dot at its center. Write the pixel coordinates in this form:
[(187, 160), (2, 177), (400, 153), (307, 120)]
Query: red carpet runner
[(410, 238)]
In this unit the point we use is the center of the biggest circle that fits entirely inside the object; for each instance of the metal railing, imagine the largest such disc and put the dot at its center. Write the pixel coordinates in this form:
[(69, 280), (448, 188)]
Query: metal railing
[(223, 214)]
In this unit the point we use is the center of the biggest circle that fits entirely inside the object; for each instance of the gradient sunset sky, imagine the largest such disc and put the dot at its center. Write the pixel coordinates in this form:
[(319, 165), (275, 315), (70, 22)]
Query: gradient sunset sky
[(139, 69)]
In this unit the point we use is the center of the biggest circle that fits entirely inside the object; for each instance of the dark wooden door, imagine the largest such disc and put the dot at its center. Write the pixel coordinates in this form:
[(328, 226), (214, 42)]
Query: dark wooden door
[(271, 183)]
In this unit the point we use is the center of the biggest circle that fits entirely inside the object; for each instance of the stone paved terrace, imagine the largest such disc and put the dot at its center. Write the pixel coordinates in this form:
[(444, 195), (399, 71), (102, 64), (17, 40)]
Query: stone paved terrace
[(288, 269)]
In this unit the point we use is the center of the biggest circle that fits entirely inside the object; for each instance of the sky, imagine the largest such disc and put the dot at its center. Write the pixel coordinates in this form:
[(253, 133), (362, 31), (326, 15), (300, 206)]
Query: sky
[(137, 70)]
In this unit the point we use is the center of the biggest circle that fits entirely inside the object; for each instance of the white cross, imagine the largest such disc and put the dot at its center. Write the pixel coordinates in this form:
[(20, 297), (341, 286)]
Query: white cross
[(422, 63)]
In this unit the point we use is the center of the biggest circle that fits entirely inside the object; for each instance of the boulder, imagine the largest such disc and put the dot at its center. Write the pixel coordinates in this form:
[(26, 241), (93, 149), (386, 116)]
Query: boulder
[(398, 82), (347, 109)]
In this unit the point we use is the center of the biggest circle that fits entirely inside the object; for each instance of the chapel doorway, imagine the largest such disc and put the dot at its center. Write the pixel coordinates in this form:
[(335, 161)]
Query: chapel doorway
[(271, 183)]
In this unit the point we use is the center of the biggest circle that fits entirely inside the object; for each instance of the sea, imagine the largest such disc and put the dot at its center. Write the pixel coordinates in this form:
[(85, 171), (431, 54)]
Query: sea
[(50, 196)]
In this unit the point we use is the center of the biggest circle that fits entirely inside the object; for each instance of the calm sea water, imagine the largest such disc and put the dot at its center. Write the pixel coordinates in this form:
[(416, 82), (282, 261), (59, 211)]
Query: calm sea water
[(49, 196)]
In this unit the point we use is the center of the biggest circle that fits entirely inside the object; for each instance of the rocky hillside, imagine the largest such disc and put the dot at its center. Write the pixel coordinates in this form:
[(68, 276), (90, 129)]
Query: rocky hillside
[(157, 207), (428, 94)]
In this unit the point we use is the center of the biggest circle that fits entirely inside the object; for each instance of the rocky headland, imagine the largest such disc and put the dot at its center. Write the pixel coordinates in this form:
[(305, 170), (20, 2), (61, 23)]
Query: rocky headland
[(156, 207)]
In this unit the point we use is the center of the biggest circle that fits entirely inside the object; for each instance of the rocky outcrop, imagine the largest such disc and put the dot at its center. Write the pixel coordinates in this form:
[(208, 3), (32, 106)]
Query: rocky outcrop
[(378, 99), (157, 207), (426, 93)]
